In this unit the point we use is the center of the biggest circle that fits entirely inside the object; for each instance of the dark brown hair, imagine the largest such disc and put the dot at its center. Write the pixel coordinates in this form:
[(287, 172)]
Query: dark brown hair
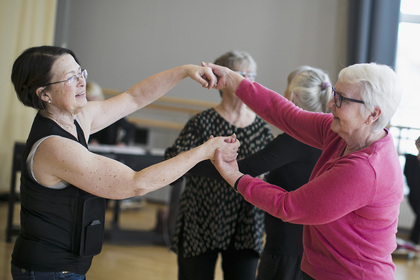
[(32, 69)]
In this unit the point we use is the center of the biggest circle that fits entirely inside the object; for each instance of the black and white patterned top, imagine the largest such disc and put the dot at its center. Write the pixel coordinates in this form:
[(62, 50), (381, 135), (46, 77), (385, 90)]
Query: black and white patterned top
[(212, 216)]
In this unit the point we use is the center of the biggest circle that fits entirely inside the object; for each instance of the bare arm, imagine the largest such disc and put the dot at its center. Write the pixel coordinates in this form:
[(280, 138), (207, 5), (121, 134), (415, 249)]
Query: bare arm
[(99, 114), (226, 78), (60, 159)]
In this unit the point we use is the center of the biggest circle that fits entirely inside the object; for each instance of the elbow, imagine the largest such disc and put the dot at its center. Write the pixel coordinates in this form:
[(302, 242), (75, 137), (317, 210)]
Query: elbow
[(140, 191)]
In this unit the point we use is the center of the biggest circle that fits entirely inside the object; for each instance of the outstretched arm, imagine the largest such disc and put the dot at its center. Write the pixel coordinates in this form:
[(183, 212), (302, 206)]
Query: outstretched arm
[(279, 152), (60, 159), (97, 115)]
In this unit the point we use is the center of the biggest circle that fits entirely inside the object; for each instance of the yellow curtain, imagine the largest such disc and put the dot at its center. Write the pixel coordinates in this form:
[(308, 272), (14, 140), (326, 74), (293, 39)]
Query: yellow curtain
[(23, 24)]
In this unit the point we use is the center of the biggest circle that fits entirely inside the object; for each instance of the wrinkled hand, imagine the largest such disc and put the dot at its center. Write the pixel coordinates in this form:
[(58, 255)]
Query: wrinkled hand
[(203, 75), (227, 169), (226, 78), (225, 166), (227, 145), (230, 152)]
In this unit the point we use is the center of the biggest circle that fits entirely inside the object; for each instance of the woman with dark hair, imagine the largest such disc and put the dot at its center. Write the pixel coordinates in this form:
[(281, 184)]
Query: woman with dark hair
[(63, 184)]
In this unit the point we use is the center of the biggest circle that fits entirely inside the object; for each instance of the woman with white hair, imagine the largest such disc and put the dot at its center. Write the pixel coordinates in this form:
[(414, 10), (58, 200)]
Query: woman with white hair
[(349, 207)]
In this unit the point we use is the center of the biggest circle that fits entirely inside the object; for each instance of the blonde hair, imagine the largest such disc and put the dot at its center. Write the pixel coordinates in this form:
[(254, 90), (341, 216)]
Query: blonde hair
[(311, 88)]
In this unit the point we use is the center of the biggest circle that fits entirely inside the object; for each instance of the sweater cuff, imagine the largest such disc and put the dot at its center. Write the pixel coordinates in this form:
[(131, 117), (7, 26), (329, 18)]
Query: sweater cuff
[(242, 86), (235, 186)]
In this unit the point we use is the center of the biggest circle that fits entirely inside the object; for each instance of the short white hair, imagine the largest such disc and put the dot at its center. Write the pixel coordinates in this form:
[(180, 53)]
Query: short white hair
[(379, 87)]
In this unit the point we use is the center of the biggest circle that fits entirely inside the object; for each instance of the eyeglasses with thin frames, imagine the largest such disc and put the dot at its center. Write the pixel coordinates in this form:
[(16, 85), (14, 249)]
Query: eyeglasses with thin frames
[(249, 75), (338, 99), (72, 79)]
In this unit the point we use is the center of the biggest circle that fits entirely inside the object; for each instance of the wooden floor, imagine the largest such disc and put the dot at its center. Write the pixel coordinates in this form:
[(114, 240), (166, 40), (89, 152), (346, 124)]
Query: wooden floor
[(149, 262)]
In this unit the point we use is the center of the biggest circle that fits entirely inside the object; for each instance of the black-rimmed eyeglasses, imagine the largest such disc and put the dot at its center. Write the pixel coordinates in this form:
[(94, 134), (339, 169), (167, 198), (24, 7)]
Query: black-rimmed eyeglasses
[(72, 79), (338, 99)]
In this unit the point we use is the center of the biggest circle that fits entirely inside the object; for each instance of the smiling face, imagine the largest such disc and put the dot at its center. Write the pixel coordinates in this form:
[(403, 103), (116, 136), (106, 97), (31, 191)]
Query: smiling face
[(65, 96), (349, 122)]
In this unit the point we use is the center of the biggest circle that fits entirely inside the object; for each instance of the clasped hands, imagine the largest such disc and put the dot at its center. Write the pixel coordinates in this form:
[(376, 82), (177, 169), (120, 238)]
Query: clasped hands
[(220, 78), (210, 75)]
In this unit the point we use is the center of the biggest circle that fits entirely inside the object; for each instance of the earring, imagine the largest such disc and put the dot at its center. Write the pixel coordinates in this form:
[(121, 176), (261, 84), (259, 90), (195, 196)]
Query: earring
[(49, 101)]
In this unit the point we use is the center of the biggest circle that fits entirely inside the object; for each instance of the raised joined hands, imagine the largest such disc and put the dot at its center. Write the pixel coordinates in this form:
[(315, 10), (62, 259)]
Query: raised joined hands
[(225, 78)]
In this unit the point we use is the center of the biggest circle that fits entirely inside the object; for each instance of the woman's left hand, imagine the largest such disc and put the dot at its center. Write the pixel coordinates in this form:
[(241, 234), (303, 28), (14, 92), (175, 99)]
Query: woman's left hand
[(228, 169), (203, 75)]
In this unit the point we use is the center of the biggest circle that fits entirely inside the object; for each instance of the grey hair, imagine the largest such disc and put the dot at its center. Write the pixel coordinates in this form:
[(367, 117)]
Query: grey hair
[(379, 87), (311, 88), (236, 59)]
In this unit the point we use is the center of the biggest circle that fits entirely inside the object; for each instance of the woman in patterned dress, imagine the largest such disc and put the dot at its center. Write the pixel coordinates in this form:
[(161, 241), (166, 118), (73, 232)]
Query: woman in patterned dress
[(214, 219)]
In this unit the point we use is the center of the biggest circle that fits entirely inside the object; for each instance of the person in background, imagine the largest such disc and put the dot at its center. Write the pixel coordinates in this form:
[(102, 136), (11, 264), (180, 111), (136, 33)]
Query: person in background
[(64, 185), (120, 133), (290, 163), (213, 219), (412, 174), (350, 206), (310, 89)]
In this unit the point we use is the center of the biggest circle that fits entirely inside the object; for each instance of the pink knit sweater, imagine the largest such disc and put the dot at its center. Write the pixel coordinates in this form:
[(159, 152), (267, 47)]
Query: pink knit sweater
[(350, 205)]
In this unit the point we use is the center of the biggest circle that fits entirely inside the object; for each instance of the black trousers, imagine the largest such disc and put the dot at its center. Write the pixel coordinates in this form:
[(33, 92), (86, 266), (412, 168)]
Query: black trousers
[(277, 266), (307, 277), (236, 265), (415, 231)]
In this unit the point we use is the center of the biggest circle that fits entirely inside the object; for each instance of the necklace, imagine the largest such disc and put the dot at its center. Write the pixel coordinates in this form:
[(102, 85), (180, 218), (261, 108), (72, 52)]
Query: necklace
[(237, 119)]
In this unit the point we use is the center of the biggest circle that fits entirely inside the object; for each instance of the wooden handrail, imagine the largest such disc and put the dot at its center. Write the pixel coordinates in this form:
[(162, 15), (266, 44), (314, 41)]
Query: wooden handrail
[(189, 111), (183, 102), (170, 104), (155, 123)]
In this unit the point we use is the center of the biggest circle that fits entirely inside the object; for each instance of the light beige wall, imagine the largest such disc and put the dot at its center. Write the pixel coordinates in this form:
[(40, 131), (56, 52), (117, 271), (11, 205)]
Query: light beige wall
[(24, 23), (123, 42)]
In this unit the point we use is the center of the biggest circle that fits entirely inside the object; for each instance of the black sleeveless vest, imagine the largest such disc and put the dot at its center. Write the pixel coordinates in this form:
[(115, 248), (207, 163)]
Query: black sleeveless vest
[(61, 229)]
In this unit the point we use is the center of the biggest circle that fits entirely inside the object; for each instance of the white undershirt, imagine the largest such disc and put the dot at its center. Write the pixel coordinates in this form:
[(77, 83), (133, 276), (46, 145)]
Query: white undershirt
[(30, 163)]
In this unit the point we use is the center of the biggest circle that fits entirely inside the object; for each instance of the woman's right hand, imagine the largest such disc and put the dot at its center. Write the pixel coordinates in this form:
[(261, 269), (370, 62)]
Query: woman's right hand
[(227, 145)]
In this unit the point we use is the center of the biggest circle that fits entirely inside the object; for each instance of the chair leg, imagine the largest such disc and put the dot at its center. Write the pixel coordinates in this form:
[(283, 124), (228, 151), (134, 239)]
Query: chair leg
[(11, 208)]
